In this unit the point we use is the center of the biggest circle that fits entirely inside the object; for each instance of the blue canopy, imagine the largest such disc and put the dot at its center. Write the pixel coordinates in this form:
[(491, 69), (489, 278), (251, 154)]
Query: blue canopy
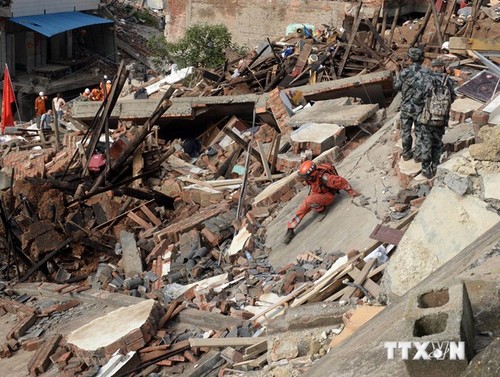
[(55, 23)]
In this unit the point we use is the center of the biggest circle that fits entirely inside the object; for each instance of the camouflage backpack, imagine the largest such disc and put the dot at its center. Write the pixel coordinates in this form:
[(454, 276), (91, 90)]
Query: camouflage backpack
[(437, 104)]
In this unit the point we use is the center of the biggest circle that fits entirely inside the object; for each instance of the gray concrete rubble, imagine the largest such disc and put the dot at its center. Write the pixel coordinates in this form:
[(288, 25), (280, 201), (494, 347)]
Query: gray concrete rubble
[(443, 318), (368, 169), (474, 266), (330, 112)]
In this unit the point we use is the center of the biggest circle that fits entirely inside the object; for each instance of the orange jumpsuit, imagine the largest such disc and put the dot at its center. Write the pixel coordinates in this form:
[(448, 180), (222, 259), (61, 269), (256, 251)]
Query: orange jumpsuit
[(323, 187), (40, 106)]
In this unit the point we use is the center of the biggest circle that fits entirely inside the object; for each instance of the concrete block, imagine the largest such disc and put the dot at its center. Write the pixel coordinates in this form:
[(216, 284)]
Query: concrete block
[(486, 363), (119, 329), (457, 183), (490, 184), (438, 316), (279, 350), (131, 254), (308, 316), (317, 137)]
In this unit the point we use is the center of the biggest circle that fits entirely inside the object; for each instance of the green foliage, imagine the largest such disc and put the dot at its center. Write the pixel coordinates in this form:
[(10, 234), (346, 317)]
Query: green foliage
[(202, 45), (147, 18)]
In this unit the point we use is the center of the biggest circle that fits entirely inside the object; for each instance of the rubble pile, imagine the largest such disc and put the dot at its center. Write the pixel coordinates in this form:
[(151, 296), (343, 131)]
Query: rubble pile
[(179, 226)]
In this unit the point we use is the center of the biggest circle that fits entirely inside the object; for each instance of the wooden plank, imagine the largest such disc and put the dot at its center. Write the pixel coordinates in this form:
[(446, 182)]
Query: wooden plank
[(369, 284), (241, 142), (377, 270), (386, 234), (437, 25), (151, 216), (458, 45), (328, 278), (422, 28), (394, 24), (337, 295), (256, 348), (302, 60), (361, 278), (276, 149), (264, 160), (357, 22), (223, 342), (281, 302), (238, 181), (139, 220)]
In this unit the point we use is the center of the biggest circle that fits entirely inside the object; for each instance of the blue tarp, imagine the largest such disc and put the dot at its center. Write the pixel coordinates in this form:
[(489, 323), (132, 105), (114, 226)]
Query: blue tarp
[(55, 23)]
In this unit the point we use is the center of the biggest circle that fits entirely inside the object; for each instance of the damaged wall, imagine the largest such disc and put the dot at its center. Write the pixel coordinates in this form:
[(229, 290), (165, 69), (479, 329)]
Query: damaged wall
[(250, 22), (254, 21)]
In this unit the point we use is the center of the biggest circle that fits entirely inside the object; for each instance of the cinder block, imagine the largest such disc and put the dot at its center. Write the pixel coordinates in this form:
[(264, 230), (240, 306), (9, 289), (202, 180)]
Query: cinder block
[(438, 316)]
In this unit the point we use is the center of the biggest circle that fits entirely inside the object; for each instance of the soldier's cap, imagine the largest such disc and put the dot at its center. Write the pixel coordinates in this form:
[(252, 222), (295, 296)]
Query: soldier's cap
[(437, 63), (415, 54)]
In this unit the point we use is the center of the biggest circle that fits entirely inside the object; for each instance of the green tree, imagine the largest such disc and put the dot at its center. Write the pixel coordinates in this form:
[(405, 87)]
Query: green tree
[(202, 45)]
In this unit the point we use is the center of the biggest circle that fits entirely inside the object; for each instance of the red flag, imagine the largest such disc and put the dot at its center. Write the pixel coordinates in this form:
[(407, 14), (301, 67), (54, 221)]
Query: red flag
[(7, 101)]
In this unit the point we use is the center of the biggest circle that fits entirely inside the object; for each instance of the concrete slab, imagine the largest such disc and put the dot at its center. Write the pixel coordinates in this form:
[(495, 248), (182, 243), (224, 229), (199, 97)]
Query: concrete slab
[(131, 254), (329, 112), (363, 354), (446, 223), (317, 137), (103, 333), (491, 186)]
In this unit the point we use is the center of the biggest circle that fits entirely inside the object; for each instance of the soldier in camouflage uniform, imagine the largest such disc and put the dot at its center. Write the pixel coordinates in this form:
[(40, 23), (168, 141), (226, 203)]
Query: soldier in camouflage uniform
[(412, 83), (432, 144)]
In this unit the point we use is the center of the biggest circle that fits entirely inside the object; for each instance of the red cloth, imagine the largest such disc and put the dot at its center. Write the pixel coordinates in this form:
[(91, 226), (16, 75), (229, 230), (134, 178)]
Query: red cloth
[(7, 101)]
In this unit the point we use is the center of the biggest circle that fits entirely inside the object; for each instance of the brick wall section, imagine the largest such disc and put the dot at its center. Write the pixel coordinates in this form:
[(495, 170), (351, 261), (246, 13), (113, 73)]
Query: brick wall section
[(28, 163), (251, 21)]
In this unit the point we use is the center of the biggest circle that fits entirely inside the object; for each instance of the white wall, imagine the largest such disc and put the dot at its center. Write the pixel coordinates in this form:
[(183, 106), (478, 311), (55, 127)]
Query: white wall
[(21, 8)]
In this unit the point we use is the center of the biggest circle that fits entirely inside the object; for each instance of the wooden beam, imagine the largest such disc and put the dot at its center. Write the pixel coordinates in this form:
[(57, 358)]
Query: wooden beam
[(357, 22), (360, 279), (422, 28), (432, 4), (223, 342), (394, 24), (263, 158), (459, 45), (274, 157), (229, 132)]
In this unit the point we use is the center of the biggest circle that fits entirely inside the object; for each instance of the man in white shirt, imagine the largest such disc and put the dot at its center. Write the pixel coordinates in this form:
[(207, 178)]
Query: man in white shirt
[(58, 103)]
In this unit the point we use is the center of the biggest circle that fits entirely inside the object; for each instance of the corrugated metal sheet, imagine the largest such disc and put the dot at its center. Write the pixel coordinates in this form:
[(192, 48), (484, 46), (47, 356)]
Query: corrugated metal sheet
[(55, 23)]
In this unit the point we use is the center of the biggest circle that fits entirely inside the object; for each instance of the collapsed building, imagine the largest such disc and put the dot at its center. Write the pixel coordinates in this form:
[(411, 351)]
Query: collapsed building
[(149, 241)]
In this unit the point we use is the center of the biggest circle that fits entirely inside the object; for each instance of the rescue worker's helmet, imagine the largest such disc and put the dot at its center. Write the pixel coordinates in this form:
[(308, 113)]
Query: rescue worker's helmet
[(306, 169)]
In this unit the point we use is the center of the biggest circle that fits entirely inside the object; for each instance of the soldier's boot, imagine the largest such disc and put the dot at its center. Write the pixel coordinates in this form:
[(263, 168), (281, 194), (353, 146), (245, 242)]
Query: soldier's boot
[(288, 236), (407, 156)]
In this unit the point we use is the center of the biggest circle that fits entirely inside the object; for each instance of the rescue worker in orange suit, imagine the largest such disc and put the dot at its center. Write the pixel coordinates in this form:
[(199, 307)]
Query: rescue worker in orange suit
[(40, 107), (324, 184)]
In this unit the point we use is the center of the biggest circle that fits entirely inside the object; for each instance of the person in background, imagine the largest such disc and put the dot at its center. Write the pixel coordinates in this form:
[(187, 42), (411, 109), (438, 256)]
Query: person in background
[(86, 94), (58, 104), (96, 95), (432, 135), (40, 107), (411, 82), (108, 87), (46, 120)]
